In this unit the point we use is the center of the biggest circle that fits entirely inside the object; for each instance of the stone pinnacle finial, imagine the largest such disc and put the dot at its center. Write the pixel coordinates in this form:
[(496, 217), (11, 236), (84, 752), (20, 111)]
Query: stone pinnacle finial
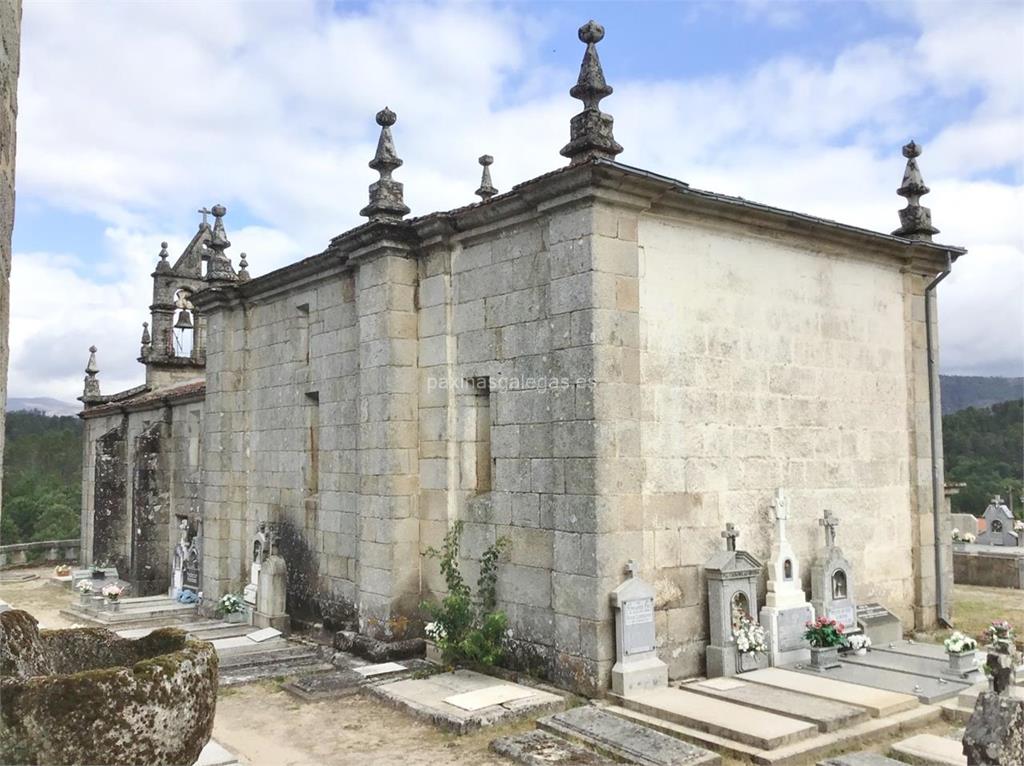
[(386, 203), (146, 340), (486, 190), (219, 268), (162, 264), (92, 383), (590, 131), (243, 268), (915, 218)]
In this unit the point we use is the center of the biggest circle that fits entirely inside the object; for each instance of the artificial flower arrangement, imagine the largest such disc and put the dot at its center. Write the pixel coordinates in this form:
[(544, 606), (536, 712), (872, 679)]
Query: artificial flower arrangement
[(966, 537), (858, 642), (434, 631), (1000, 636), (1018, 526), (84, 586), (958, 643), (824, 632), (62, 570), (230, 604), (112, 592), (750, 636)]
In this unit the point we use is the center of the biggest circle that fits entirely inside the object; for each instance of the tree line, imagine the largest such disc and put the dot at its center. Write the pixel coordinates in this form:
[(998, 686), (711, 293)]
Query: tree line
[(984, 448)]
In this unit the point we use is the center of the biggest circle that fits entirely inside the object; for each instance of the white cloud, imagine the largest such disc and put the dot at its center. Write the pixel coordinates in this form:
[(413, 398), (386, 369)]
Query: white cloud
[(159, 109)]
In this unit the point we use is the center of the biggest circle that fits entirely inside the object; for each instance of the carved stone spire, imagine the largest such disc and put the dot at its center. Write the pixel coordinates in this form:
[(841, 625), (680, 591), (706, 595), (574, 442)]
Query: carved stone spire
[(146, 340), (915, 218), (590, 134), (220, 264), (162, 265), (386, 202), (243, 268), (486, 190), (92, 383)]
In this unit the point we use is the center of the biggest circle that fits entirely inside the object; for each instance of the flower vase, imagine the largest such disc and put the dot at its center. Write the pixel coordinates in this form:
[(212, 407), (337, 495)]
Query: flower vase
[(961, 663), (824, 658), (235, 617), (749, 661), (113, 605), (85, 599), (432, 652), (861, 652)]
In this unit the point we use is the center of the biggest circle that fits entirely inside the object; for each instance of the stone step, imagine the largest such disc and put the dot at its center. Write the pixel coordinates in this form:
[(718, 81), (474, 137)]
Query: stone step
[(878, 702), (928, 689), (930, 750), (827, 715), (541, 748), (287, 653), (797, 753), (861, 759), (236, 676), (757, 728), (955, 713), (620, 738)]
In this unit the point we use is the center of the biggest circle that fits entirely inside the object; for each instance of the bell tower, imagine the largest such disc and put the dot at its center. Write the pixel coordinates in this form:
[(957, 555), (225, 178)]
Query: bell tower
[(174, 340)]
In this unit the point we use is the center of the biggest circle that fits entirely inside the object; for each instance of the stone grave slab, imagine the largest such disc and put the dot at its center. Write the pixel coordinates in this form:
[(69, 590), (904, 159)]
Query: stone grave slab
[(910, 663), (215, 754), (427, 698), (330, 685), (488, 696), (539, 748), (235, 642), (382, 668), (861, 759), (626, 740), (263, 634), (928, 689), (878, 702), (827, 715), (757, 728), (931, 749), (879, 624)]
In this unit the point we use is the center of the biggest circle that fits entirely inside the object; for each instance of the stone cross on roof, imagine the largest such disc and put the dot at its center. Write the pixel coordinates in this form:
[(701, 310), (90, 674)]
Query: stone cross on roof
[(730, 534), (915, 218), (205, 211), (590, 131), (998, 500), (829, 522)]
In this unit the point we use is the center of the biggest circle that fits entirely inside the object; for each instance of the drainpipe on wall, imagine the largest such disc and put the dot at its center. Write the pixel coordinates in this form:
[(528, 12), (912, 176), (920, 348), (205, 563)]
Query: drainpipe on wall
[(941, 605)]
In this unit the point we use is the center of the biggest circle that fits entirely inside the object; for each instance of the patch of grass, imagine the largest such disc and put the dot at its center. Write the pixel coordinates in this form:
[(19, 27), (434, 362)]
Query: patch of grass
[(974, 607)]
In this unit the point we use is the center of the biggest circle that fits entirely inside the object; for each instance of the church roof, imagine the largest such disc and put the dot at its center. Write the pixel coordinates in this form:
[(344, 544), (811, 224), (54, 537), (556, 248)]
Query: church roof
[(144, 397)]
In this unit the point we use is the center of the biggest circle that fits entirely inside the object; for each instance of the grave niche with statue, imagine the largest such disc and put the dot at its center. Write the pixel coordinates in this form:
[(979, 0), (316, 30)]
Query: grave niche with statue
[(786, 611), (832, 582), (732, 577), (272, 586), (999, 525)]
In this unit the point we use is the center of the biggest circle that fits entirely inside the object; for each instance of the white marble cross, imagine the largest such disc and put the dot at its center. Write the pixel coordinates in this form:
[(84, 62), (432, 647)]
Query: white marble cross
[(781, 507)]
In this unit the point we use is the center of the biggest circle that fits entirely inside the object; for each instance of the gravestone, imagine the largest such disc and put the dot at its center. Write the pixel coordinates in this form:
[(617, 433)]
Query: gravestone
[(999, 528), (259, 554), (879, 624), (637, 666), (786, 610), (732, 577), (178, 563), (832, 582), (272, 590)]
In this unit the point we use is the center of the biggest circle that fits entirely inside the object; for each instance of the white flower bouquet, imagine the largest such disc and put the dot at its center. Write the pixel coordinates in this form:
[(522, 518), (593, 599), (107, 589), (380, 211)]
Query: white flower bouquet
[(230, 603), (750, 636), (859, 641), (112, 592), (84, 587), (958, 643)]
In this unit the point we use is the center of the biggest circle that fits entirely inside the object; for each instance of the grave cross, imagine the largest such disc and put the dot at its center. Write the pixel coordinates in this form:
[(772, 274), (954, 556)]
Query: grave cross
[(781, 507), (997, 500), (830, 523), (205, 211), (632, 568), (730, 534)]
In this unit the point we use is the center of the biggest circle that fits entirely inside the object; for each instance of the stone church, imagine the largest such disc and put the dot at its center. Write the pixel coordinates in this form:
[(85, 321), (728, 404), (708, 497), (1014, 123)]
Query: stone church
[(601, 364)]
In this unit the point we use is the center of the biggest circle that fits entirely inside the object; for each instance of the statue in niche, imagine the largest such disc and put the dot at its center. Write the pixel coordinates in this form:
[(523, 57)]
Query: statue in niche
[(740, 609), (997, 525), (787, 569), (839, 584)]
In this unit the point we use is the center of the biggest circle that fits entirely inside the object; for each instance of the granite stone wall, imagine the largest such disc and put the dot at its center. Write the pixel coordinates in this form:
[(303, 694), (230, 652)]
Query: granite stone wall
[(10, 38), (768, 364)]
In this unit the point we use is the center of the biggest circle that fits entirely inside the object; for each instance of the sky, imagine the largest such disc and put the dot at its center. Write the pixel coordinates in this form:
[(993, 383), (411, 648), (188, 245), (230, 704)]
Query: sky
[(133, 115)]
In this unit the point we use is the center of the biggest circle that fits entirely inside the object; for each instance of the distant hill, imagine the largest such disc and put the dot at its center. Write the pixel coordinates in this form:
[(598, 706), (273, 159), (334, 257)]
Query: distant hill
[(43, 404), (962, 391), (984, 448)]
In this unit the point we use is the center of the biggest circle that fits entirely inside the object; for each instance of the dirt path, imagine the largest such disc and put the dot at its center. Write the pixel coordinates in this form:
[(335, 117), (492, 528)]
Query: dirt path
[(268, 727), (41, 597)]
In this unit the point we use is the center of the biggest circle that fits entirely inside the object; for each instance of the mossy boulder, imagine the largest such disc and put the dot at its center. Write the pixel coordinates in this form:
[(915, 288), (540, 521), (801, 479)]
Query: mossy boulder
[(87, 696)]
